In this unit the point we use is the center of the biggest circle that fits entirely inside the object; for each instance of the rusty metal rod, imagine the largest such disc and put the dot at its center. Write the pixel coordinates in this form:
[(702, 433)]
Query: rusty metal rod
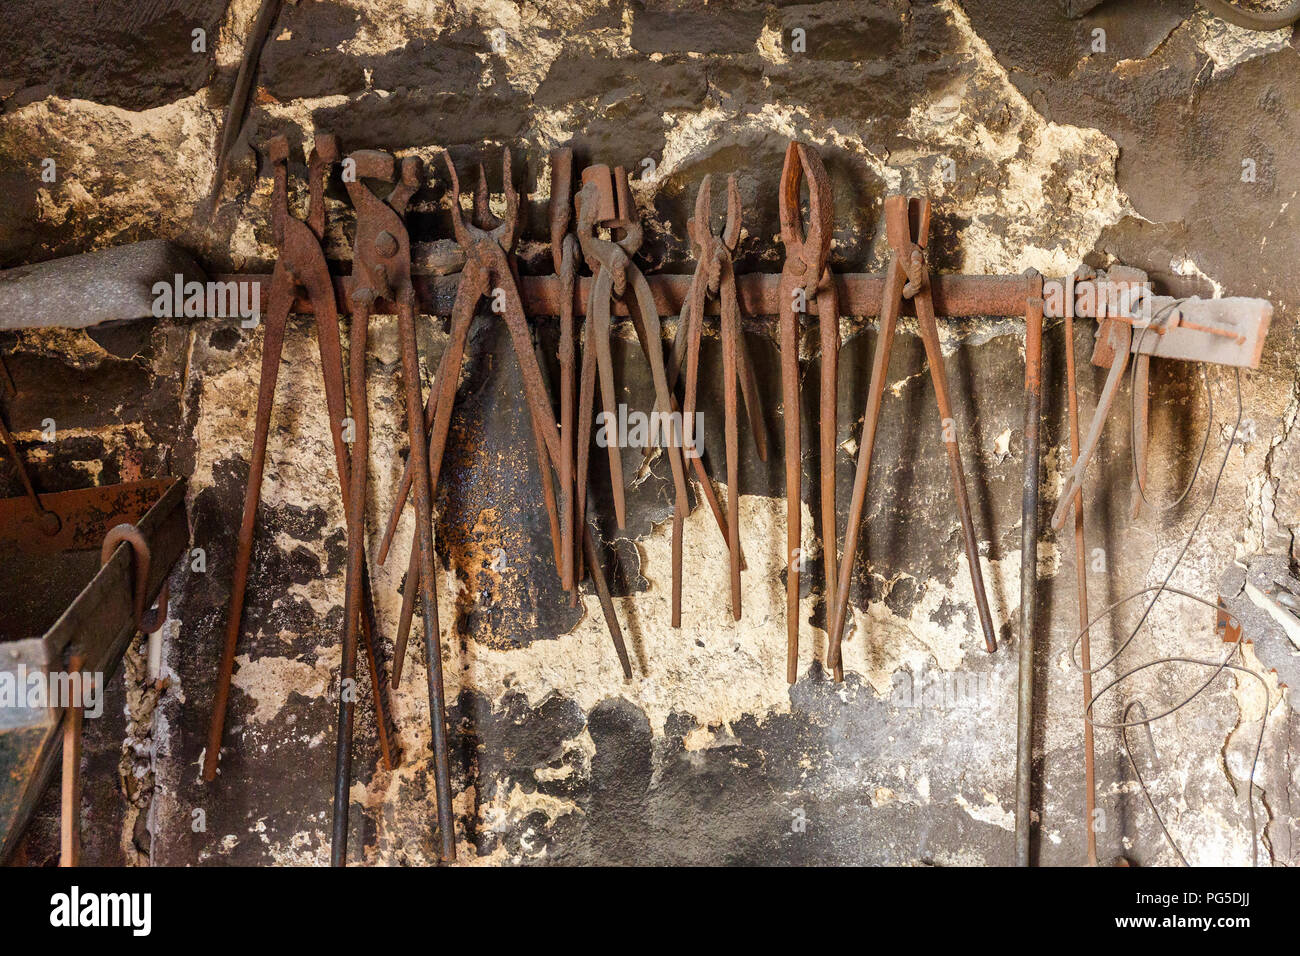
[(272, 348), (1028, 573), (354, 512), (758, 295), (789, 339), (70, 790), (866, 447), (829, 327)]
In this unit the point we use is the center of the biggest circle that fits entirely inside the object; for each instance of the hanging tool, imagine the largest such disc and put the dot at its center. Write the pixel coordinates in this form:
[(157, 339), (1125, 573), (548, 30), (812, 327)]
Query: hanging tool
[(301, 268), (615, 206), (484, 224), (566, 253), (565, 256), (381, 269), (715, 276), (607, 200), (487, 244), (907, 225), (488, 268), (1029, 564), (232, 124), (805, 279)]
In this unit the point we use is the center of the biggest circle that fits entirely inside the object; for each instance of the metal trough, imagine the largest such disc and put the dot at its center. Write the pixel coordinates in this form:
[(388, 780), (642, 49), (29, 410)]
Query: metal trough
[(56, 600)]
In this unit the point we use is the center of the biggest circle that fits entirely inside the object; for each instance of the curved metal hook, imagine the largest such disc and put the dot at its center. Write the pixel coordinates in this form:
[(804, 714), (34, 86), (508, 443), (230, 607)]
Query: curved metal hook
[(126, 533)]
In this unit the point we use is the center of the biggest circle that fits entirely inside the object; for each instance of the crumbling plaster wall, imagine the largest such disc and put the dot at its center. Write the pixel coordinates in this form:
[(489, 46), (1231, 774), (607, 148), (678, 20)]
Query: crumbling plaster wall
[(1058, 153)]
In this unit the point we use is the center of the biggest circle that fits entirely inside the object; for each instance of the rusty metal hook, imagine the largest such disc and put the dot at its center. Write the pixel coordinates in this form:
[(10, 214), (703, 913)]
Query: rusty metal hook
[(126, 533)]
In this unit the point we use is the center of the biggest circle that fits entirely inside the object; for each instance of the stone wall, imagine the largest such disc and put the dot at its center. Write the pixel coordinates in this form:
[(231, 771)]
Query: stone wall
[(1039, 150)]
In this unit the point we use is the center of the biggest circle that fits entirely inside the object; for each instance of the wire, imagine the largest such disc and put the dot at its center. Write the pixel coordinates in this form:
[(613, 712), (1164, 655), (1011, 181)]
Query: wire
[(1216, 667), (1163, 314), (1138, 773)]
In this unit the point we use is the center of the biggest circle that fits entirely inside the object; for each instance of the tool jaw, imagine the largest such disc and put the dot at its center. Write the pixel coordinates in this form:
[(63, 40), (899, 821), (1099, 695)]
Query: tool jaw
[(907, 229), (697, 227), (604, 255), (410, 179), (278, 151), (561, 207), (298, 241), (731, 232), (324, 154), (601, 202), (381, 256), (611, 205), (714, 249), (485, 227), (805, 253)]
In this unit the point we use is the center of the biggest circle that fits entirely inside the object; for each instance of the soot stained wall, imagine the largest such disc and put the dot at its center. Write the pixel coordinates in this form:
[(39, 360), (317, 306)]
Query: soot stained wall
[(1038, 149)]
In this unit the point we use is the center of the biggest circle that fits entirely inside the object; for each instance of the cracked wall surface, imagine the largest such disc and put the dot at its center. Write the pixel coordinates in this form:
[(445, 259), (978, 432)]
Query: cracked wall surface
[(1038, 150)]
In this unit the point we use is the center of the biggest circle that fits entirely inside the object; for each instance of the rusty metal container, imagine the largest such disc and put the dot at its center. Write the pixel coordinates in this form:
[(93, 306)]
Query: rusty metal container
[(55, 599)]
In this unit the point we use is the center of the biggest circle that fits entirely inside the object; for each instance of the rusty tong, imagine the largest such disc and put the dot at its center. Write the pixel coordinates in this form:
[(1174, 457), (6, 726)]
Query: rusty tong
[(487, 243), (302, 268), (907, 226), (805, 278), (715, 276), (606, 200), (566, 253), (381, 269)]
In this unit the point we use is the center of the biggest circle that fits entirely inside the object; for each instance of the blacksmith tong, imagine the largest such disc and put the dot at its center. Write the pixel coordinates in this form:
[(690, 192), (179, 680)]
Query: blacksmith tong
[(805, 279), (302, 269), (489, 271), (381, 269), (907, 226), (715, 276), (566, 253), (606, 200)]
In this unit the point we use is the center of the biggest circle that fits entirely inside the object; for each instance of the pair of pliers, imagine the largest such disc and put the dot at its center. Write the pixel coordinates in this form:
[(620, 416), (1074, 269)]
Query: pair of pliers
[(607, 200), (489, 271), (805, 279), (487, 243), (381, 269), (907, 227), (715, 277), (566, 253), (301, 269)]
